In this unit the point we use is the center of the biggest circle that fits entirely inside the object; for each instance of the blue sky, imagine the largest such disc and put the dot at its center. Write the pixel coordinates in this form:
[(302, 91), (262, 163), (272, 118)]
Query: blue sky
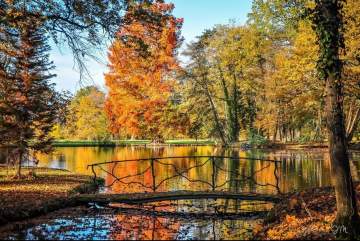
[(198, 15)]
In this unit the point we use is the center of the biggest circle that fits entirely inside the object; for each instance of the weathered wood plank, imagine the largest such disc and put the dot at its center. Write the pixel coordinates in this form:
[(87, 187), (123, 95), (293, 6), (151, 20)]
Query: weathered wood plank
[(138, 198)]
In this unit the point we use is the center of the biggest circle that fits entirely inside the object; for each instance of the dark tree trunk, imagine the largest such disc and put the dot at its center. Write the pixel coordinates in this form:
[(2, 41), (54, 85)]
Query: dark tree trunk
[(352, 121), (216, 118), (328, 26), (275, 132), (347, 215), (234, 128), (20, 159), (232, 106)]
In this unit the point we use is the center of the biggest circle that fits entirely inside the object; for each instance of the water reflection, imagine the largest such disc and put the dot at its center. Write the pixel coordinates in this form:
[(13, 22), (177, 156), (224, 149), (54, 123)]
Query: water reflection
[(125, 227), (297, 170), (81, 223)]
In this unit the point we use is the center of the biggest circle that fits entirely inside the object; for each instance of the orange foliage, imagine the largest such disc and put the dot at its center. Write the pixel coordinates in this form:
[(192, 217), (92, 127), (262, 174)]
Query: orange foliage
[(142, 68), (144, 227)]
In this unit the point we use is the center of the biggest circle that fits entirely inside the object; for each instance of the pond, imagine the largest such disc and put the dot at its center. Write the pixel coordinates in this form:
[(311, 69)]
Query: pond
[(247, 171)]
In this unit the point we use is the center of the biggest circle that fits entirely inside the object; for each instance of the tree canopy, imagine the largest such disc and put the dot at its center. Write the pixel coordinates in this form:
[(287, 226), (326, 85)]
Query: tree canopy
[(85, 117), (143, 65), (28, 101)]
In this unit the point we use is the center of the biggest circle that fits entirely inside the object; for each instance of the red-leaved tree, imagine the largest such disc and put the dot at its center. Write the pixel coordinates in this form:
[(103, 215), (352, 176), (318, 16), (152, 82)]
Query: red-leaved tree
[(142, 69)]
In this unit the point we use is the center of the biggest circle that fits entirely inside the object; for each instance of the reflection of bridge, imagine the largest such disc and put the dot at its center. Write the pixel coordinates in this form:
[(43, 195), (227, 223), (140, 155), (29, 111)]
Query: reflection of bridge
[(140, 198), (212, 192)]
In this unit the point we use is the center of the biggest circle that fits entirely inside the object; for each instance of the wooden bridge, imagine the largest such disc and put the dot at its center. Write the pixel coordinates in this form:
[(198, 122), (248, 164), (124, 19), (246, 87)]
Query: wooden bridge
[(151, 193), (141, 198)]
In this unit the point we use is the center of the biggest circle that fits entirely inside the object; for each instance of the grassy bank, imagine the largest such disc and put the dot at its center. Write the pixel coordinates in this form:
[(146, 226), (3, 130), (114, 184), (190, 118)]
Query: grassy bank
[(49, 191), (294, 146), (306, 215), (300, 146), (83, 143), (189, 142)]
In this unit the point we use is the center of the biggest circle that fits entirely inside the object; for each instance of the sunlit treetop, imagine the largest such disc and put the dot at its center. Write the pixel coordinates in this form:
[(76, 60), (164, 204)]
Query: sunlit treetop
[(142, 67), (85, 26)]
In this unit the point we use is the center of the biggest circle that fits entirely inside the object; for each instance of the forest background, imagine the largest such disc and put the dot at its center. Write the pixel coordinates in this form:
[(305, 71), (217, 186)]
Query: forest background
[(255, 82)]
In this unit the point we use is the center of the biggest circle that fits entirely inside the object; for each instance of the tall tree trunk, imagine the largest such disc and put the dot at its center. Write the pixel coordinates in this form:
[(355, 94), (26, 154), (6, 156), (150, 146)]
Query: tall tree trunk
[(347, 214), (219, 127), (352, 121), (275, 132), (234, 119), (318, 124), (231, 101), (18, 173), (228, 106), (216, 117), (327, 20)]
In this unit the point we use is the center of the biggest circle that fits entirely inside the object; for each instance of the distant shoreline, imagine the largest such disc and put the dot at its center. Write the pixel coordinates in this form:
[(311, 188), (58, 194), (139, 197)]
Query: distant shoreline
[(115, 143), (189, 142)]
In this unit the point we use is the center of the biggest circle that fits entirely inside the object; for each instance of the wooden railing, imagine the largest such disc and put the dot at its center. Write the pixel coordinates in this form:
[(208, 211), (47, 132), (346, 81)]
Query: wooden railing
[(209, 160)]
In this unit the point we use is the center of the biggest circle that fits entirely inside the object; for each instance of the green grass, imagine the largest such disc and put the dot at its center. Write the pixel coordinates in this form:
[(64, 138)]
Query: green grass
[(190, 142), (84, 143)]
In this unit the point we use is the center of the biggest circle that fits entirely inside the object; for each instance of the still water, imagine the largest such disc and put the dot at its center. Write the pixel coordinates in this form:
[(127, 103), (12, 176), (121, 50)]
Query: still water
[(164, 220)]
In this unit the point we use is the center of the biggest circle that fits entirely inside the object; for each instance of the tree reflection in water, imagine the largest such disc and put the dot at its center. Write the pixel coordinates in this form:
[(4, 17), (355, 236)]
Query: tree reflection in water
[(298, 170), (110, 223)]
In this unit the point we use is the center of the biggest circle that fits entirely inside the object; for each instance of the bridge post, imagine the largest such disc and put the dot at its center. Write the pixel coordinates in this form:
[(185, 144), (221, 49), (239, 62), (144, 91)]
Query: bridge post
[(213, 181), (277, 178), (153, 175), (94, 173)]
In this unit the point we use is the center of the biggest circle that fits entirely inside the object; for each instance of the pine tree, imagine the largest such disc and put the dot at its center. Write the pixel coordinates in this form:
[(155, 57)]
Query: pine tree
[(28, 101)]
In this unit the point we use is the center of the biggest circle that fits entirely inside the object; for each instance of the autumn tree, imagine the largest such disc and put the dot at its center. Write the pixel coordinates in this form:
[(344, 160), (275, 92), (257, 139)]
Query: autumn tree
[(28, 101), (85, 117), (296, 89), (285, 110), (328, 24), (223, 73), (351, 69), (199, 92), (141, 79), (81, 25)]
